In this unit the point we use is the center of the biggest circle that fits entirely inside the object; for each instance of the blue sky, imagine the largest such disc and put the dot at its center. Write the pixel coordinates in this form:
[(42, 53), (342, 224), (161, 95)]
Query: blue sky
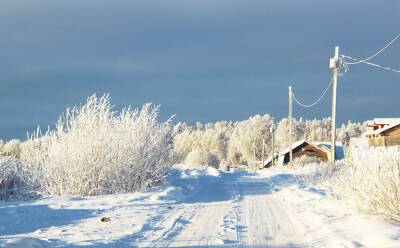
[(201, 60)]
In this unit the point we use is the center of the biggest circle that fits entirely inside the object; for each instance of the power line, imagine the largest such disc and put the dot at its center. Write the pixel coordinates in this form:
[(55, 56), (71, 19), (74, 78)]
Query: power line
[(376, 53), (315, 102), (367, 63)]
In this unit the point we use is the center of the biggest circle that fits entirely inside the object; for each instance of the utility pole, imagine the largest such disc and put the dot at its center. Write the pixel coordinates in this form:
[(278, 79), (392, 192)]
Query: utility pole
[(272, 129), (334, 65), (263, 152), (290, 125), (254, 156)]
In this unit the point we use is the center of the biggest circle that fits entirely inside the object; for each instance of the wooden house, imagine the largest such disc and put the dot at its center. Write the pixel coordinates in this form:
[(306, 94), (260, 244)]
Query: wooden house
[(379, 123), (388, 135)]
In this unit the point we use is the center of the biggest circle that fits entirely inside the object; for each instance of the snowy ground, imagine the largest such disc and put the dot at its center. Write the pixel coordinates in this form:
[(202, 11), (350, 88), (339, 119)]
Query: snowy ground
[(198, 208)]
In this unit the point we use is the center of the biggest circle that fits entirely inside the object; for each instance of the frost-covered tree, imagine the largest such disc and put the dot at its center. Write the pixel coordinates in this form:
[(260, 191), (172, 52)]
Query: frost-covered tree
[(96, 150), (345, 132), (248, 136), (318, 130), (211, 137), (282, 132)]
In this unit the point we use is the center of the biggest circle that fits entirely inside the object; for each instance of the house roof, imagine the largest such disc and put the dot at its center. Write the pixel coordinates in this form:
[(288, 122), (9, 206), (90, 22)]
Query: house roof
[(388, 121), (381, 130)]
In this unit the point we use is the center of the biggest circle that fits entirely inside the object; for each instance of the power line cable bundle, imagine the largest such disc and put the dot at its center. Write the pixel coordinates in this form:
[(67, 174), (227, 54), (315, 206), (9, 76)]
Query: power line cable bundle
[(345, 63)]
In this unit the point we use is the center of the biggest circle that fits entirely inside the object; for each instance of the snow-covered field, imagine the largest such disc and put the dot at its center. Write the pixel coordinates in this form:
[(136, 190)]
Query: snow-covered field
[(198, 208)]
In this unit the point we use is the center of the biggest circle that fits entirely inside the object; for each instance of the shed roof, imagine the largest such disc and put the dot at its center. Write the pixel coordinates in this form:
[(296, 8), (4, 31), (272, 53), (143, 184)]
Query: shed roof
[(323, 146), (319, 145)]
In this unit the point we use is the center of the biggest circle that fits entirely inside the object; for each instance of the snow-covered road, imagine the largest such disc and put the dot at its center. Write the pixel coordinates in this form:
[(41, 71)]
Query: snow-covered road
[(203, 209)]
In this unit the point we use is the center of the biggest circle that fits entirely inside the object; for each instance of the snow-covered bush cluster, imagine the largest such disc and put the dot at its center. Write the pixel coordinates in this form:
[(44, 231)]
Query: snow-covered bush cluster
[(322, 173), (15, 180), (373, 186), (202, 158), (235, 142), (305, 160), (11, 148), (95, 150)]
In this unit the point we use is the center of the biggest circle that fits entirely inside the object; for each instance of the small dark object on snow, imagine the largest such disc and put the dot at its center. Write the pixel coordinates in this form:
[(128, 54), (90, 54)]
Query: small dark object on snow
[(169, 207), (105, 219)]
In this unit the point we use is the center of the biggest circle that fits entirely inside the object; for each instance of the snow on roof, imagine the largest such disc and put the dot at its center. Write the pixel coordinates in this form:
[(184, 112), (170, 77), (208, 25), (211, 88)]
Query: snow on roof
[(389, 121), (318, 145), (294, 146), (327, 144), (267, 161), (324, 146), (381, 130)]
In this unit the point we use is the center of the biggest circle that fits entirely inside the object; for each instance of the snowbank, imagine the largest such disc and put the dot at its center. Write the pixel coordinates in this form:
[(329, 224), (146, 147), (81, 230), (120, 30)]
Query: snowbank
[(64, 220), (28, 243), (183, 182)]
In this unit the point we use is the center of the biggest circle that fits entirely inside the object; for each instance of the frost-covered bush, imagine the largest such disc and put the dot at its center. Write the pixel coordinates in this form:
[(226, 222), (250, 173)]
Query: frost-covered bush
[(202, 158), (15, 180), (323, 173), (373, 186), (305, 160), (95, 150), (11, 148)]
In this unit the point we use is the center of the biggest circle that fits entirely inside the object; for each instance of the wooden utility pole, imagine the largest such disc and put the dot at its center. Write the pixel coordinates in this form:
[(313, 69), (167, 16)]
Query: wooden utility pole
[(334, 65), (263, 154), (290, 125), (254, 156), (273, 144)]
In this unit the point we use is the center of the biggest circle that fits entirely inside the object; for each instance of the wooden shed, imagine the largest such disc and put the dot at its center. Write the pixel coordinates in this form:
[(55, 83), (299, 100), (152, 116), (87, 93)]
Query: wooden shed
[(386, 136), (305, 148)]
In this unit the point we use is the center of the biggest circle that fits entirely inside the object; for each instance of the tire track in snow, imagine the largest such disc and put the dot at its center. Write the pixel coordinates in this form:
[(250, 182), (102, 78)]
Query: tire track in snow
[(177, 225), (238, 219)]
